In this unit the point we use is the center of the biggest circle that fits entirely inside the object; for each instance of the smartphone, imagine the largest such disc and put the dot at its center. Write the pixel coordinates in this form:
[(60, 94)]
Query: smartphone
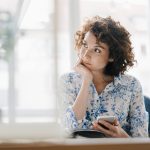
[(109, 119)]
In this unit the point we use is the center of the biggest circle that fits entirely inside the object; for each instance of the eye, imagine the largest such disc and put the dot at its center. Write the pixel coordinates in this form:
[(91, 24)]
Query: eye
[(84, 45), (97, 50)]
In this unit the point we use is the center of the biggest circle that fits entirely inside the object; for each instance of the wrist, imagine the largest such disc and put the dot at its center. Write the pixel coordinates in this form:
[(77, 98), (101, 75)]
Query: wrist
[(125, 135), (86, 81)]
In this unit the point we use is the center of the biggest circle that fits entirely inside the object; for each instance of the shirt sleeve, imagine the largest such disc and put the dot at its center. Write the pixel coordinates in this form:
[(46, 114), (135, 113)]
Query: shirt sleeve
[(138, 115), (67, 97)]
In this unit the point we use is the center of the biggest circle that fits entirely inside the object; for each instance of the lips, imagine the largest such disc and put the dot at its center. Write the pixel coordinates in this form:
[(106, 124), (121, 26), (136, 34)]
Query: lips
[(86, 63)]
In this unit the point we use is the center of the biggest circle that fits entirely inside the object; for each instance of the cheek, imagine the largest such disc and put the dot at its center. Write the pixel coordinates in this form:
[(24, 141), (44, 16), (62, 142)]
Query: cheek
[(101, 61)]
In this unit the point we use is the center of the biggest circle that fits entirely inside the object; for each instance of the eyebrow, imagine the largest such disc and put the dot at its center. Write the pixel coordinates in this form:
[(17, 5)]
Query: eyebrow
[(96, 45), (101, 46)]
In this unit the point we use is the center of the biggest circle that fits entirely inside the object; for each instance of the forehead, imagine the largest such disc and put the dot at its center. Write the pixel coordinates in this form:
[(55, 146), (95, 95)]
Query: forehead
[(90, 37), (92, 40)]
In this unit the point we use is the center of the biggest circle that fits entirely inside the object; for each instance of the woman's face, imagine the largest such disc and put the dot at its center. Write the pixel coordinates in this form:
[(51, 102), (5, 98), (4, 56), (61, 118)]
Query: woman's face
[(95, 55)]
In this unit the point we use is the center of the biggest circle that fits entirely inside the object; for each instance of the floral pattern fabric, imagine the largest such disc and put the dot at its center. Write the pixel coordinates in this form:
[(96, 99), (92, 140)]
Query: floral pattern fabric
[(122, 98)]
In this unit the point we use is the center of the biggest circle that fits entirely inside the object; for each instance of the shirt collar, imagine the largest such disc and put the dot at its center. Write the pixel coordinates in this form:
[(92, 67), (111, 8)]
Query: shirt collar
[(118, 80)]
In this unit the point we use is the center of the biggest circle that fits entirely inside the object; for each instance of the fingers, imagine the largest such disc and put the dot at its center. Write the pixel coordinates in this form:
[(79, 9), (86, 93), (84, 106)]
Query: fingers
[(78, 66), (112, 130), (108, 125), (83, 70), (107, 132), (80, 57), (116, 122), (85, 53), (78, 61), (105, 127), (82, 53)]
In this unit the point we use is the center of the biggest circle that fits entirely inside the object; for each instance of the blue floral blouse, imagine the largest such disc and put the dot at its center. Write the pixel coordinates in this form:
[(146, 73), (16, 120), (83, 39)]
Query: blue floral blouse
[(122, 98)]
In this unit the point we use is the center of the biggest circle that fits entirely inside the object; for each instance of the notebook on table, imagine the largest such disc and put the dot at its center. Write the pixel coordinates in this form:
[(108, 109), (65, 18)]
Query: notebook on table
[(88, 133)]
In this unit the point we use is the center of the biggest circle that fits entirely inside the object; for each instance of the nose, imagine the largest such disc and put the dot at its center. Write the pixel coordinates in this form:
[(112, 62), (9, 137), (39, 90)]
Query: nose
[(86, 54)]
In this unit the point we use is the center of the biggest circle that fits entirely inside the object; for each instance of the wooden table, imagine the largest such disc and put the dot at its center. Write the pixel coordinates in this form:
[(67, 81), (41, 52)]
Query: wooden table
[(78, 144)]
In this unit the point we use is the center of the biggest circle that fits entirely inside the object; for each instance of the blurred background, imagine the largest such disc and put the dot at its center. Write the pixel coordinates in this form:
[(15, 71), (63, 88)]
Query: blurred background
[(37, 46)]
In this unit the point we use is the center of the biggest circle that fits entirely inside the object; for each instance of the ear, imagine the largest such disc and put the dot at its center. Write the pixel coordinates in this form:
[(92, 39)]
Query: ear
[(110, 60)]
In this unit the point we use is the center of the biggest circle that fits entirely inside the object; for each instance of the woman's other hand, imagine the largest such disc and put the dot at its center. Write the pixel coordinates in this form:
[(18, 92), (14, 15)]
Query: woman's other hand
[(110, 130)]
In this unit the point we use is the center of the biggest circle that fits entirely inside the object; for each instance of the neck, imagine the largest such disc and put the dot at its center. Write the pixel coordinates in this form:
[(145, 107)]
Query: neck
[(100, 78)]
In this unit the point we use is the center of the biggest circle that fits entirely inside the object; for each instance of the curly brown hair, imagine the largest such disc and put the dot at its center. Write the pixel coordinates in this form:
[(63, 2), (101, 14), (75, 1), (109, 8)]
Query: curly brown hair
[(117, 38)]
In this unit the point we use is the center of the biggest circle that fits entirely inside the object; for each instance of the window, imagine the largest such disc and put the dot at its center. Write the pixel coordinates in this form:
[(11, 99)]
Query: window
[(29, 67), (37, 46)]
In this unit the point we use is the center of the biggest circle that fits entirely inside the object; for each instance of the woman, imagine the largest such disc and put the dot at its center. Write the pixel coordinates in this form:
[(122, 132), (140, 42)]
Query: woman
[(98, 86)]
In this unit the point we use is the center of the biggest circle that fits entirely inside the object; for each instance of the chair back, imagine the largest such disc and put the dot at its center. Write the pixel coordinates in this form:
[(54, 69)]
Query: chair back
[(147, 106)]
